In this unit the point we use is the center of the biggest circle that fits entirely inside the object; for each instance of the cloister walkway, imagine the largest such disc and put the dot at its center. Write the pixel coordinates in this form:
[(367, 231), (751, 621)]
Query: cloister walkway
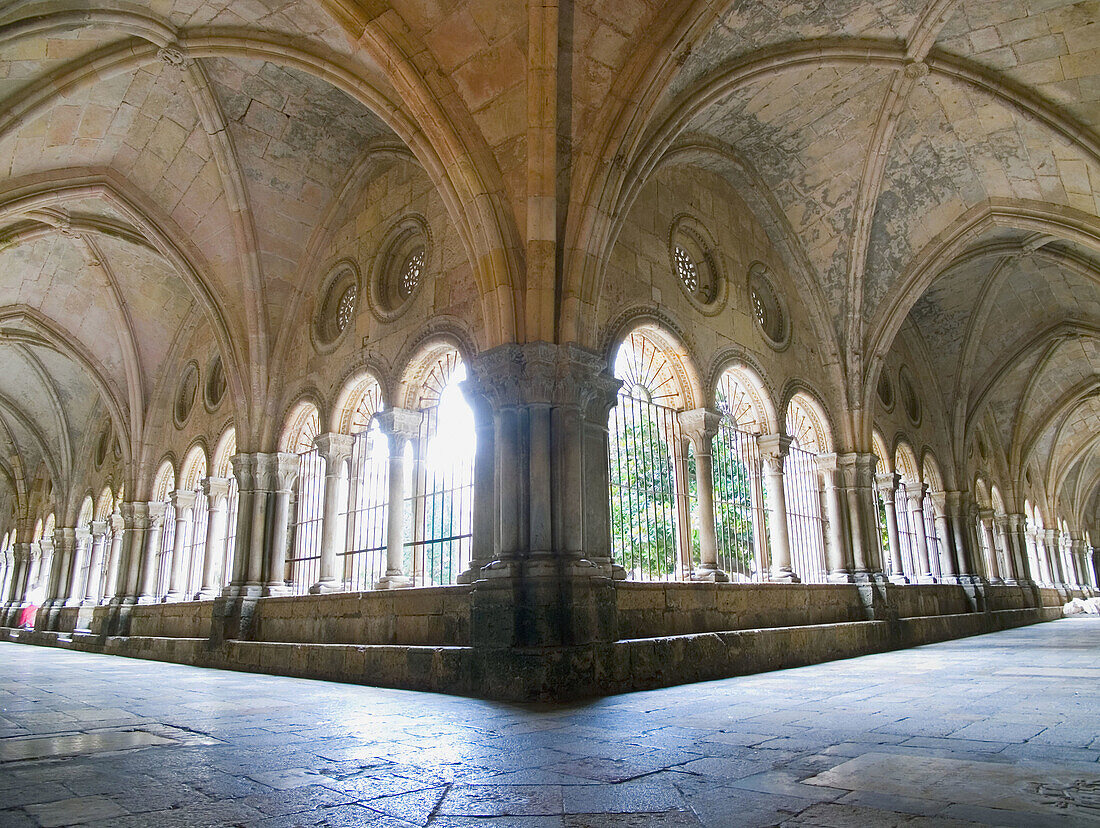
[(999, 729)]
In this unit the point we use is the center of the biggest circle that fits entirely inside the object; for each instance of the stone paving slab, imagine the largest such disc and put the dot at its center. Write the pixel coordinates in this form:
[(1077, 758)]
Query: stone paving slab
[(1002, 729)]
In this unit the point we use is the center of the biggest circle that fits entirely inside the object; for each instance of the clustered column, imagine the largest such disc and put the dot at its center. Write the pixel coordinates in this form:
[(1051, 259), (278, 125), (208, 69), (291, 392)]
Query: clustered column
[(837, 559), (216, 490), (985, 521), (336, 450), (857, 472), (915, 492)]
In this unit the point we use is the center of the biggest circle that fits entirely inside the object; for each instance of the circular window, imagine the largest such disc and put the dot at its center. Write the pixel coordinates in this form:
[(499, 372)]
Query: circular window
[(401, 269), (185, 393), (214, 391), (695, 265), (768, 310), (101, 447), (885, 391), (909, 398), (335, 313)]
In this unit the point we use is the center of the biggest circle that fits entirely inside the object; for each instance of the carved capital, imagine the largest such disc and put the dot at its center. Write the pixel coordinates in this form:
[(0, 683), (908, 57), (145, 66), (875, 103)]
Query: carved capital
[(335, 448), (284, 470), (99, 529), (215, 488), (914, 493), (888, 483), (399, 424), (700, 425), (244, 469), (182, 500), (156, 512)]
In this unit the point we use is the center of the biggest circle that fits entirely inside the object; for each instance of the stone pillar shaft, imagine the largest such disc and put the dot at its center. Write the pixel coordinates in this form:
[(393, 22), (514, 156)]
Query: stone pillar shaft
[(773, 451), (147, 586), (336, 451), (216, 490), (95, 567), (183, 503), (888, 488), (400, 425), (700, 427)]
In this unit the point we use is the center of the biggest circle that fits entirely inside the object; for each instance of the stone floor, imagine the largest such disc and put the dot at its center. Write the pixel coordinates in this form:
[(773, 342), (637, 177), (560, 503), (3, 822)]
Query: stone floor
[(1001, 729)]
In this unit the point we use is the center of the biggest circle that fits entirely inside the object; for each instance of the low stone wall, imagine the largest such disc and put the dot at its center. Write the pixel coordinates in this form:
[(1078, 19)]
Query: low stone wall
[(668, 634), (649, 610), (189, 619), (423, 616)]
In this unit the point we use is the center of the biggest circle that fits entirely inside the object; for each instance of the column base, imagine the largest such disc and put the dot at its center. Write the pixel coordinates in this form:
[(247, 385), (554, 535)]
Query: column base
[(206, 594), (279, 590), (870, 578), (783, 576), (900, 580), (393, 582), (147, 599), (841, 576), (711, 576), (927, 579), (172, 598), (326, 587)]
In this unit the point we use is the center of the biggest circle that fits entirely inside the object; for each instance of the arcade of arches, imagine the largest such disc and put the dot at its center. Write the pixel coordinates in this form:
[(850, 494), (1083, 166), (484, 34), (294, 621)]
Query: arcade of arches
[(519, 348)]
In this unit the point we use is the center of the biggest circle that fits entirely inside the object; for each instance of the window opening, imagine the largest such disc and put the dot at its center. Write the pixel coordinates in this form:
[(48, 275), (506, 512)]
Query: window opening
[(803, 495), (363, 515), (686, 269), (739, 501), (345, 309), (411, 273), (304, 560)]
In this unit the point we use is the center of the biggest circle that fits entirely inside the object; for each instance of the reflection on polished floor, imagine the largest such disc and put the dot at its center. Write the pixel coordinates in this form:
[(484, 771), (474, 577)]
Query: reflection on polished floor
[(1001, 729)]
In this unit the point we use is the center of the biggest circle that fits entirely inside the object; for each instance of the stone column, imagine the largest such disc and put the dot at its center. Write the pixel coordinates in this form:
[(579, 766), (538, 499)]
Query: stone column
[(1009, 567), (888, 488), (837, 550), (244, 580), (700, 426), (915, 493), (549, 580), (858, 470), (484, 542), (51, 575), (1015, 533), (216, 490), (336, 450), (18, 585), (114, 559), (1094, 556), (943, 532), (75, 593), (183, 503), (400, 425), (1054, 556), (147, 585), (985, 521), (283, 474), (95, 567), (773, 451)]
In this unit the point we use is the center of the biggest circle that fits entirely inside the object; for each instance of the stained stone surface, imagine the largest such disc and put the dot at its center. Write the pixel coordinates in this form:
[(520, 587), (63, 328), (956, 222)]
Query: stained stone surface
[(1001, 729)]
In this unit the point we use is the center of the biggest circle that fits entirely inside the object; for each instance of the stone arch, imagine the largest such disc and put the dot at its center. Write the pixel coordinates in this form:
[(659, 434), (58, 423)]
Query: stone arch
[(905, 463), (735, 377), (105, 504), (222, 465), (931, 472), (357, 403), (885, 458), (302, 424), (194, 468), (805, 414), (997, 500), (433, 361), (164, 483), (87, 511), (687, 389)]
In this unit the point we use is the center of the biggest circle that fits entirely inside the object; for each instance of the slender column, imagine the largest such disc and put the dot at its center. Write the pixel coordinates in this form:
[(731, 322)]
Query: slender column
[(985, 518), (1054, 556), (915, 493), (135, 517), (147, 586), (17, 585), (943, 532), (1015, 533), (1010, 572), (888, 488), (399, 425), (1076, 558), (241, 582), (773, 451), (95, 567), (284, 471), (700, 426), (336, 450), (50, 569), (1094, 556), (111, 570), (81, 543), (216, 490), (956, 511), (838, 557), (858, 470), (184, 504)]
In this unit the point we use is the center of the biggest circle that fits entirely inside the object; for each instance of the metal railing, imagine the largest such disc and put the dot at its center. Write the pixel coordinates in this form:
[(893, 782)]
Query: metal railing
[(304, 560), (363, 511), (804, 520), (439, 511), (650, 504), (740, 516)]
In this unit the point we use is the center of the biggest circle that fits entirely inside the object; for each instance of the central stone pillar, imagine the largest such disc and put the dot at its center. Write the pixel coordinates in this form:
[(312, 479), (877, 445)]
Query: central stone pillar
[(81, 543), (281, 474), (130, 528), (888, 487), (183, 504), (948, 571), (548, 584), (773, 453), (857, 472), (700, 426), (336, 450), (400, 425), (837, 550)]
